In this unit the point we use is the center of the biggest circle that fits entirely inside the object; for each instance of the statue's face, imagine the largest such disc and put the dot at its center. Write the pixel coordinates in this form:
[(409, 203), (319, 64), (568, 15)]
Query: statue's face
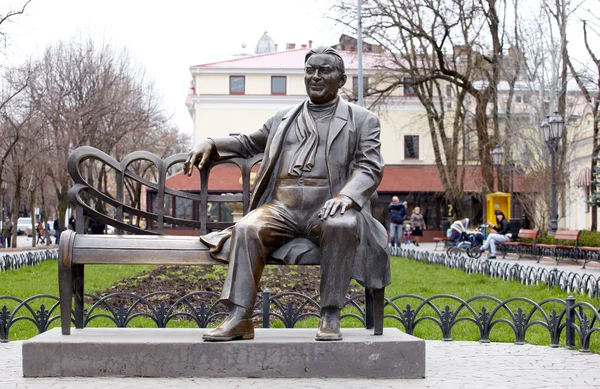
[(322, 78)]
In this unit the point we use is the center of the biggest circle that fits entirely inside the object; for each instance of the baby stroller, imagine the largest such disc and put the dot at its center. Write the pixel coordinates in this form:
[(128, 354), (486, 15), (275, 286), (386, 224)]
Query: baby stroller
[(463, 241)]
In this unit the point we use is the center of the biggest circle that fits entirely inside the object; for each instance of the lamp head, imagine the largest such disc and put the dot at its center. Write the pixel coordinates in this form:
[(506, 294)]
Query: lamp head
[(497, 155)]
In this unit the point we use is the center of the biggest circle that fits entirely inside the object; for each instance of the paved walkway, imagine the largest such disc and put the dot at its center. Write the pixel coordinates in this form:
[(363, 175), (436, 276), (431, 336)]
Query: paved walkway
[(449, 365), (545, 262), (24, 246)]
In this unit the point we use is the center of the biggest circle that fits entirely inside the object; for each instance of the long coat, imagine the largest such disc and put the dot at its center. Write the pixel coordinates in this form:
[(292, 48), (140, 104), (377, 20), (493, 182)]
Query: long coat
[(355, 168)]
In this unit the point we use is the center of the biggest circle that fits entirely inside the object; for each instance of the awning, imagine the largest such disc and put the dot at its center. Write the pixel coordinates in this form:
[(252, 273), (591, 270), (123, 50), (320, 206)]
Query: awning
[(584, 177)]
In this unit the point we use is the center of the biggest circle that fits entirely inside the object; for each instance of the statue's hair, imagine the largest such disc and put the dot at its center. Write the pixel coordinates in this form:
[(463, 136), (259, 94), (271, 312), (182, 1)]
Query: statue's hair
[(339, 62)]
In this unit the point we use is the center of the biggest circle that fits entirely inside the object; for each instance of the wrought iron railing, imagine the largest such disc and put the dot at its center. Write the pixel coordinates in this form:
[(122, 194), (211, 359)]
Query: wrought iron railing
[(480, 316), (16, 261), (567, 281)]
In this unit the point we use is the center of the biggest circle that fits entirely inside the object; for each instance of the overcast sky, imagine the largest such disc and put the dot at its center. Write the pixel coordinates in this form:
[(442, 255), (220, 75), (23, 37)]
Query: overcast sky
[(167, 37)]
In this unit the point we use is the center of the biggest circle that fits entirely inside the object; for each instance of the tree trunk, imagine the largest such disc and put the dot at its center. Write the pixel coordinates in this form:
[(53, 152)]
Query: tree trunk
[(32, 216), (16, 206)]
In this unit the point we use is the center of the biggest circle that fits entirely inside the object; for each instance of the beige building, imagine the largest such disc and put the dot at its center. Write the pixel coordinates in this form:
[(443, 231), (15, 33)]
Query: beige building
[(239, 94)]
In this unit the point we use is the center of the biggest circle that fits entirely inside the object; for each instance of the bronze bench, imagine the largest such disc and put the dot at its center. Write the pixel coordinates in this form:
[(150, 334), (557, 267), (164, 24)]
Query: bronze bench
[(149, 245)]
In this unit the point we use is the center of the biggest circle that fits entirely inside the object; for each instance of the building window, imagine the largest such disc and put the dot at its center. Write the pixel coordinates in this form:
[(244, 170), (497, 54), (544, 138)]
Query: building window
[(411, 147), (409, 88), (237, 85), (518, 99), (278, 85), (355, 86), (448, 90)]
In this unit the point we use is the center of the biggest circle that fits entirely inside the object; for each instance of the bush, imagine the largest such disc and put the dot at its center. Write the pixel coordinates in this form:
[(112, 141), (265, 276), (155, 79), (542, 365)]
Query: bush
[(589, 238)]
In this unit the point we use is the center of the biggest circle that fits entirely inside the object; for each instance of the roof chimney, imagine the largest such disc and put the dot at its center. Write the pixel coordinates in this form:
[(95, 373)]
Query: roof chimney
[(290, 46), (275, 47), (310, 44), (304, 46)]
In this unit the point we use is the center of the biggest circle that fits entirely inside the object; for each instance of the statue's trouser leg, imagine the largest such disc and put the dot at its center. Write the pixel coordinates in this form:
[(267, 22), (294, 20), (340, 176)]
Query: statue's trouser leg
[(254, 237), (338, 240)]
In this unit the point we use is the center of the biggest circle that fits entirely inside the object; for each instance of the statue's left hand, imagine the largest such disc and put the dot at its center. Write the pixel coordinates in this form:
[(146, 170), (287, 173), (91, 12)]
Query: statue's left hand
[(331, 206)]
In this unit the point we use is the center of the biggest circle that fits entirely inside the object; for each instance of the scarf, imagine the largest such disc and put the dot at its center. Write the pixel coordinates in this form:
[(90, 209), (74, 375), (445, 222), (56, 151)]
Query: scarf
[(307, 133)]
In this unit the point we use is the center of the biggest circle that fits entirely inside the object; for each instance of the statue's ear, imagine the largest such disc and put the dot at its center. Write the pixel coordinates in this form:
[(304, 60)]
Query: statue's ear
[(343, 80)]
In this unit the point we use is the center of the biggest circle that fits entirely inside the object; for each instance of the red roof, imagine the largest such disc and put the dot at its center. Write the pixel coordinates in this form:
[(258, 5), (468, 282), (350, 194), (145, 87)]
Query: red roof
[(396, 178), (292, 59)]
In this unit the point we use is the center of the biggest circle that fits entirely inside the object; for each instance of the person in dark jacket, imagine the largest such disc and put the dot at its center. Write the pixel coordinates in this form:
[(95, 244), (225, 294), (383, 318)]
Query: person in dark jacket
[(56, 228), (500, 235), (398, 214), (97, 226)]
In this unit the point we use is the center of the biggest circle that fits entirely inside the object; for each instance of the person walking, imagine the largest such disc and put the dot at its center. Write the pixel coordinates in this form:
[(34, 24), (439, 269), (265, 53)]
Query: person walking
[(7, 232), (418, 224), (40, 232), (501, 235), (397, 216), (72, 221), (56, 228)]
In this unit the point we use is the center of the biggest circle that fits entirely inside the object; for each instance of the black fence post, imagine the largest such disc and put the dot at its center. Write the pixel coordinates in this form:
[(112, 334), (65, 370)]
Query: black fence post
[(570, 323), (266, 308)]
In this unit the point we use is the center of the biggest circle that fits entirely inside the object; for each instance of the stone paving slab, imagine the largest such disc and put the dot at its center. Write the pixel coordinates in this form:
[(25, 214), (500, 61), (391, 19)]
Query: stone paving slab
[(180, 352), (449, 365)]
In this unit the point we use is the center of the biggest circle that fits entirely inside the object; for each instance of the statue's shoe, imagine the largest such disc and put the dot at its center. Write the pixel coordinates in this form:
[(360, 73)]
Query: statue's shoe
[(231, 329), (329, 329)]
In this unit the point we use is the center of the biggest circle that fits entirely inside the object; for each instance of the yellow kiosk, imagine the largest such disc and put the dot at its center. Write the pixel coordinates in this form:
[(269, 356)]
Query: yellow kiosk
[(497, 201)]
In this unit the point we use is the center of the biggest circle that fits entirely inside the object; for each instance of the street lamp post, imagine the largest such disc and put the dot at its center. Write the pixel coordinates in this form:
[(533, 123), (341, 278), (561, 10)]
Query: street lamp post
[(552, 129), (497, 159)]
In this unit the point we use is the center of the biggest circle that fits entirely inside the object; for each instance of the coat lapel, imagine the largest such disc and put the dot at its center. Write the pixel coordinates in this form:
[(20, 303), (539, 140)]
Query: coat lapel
[(279, 136), (274, 146), (340, 118)]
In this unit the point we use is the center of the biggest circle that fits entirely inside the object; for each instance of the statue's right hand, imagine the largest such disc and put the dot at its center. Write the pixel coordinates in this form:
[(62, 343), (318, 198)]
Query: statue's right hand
[(199, 155)]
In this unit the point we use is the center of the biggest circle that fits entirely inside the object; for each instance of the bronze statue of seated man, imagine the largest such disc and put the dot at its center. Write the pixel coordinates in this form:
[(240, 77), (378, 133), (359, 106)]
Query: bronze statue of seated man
[(321, 164)]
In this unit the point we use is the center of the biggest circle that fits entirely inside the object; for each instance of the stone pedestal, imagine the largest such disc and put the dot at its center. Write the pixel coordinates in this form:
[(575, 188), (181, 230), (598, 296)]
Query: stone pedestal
[(285, 353)]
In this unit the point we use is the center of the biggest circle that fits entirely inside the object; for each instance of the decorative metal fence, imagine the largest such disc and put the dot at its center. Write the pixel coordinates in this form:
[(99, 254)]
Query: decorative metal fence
[(480, 317), (31, 258), (569, 282)]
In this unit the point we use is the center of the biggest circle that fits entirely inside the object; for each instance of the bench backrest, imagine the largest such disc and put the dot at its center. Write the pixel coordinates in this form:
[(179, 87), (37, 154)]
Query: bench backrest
[(90, 162), (528, 234), (568, 235)]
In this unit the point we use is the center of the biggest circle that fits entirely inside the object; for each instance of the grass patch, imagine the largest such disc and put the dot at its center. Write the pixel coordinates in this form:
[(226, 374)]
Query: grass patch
[(43, 280), (414, 279)]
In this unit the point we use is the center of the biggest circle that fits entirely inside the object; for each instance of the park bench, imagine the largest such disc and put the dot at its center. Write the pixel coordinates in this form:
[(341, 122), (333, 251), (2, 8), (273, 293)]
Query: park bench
[(561, 249), (443, 241), (523, 248), (150, 245)]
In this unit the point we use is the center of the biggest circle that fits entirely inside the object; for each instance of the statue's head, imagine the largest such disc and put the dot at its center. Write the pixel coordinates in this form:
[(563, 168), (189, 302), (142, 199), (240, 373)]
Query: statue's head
[(324, 74)]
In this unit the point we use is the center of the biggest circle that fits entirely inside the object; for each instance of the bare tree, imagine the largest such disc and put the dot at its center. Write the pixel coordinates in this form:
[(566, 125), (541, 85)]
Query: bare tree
[(438, 42), (88, 94)]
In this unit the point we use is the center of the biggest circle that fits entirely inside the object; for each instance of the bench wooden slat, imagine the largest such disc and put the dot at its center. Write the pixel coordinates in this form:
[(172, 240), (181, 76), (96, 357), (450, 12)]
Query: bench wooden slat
[(567, 235), (586, 248), (528, 234)]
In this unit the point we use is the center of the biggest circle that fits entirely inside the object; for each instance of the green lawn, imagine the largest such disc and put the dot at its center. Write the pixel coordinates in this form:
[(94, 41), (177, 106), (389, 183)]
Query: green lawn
[(409, 278), (43, 278)]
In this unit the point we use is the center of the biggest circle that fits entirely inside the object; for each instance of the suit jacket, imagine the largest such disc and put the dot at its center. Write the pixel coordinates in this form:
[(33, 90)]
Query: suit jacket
[(355, 168)]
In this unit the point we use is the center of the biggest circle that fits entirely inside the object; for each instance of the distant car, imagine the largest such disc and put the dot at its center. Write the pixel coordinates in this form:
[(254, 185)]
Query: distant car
[(24, 226)]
